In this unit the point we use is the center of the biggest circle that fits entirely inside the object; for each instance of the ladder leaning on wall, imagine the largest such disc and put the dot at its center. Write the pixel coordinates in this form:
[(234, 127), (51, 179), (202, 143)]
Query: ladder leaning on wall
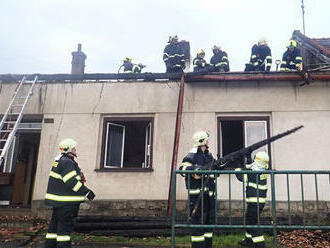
[(13, 115)]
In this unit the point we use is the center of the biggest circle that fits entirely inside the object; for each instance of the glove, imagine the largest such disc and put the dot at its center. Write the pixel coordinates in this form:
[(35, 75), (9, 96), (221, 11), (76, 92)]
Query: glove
[(249, 158), (83, 178), (90, 195)]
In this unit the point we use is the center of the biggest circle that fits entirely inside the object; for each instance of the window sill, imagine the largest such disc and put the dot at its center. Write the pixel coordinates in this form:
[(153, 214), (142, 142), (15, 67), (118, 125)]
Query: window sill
[(124, 170)]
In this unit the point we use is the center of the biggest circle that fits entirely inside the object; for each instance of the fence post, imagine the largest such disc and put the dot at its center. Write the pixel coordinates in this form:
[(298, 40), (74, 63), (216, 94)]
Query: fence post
[(274, 209)]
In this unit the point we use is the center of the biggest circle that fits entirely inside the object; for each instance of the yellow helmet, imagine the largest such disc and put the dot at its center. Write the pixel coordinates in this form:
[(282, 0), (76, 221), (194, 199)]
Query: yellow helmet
[(263, 41), (262, 159), (127, 59), (200, 138), (291, 44), (200, 51), (67, 145)]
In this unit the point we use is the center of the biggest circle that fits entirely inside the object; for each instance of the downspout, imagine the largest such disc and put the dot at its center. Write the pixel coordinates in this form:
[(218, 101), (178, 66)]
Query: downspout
[(176, 144)]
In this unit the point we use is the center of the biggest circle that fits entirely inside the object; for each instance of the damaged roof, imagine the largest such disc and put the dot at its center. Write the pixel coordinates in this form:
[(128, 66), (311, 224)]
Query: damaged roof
[(319, 47), (325, 42)]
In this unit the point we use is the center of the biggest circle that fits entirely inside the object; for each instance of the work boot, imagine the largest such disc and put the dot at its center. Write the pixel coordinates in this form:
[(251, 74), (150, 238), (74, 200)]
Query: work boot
[(246, 242), (260, 245)]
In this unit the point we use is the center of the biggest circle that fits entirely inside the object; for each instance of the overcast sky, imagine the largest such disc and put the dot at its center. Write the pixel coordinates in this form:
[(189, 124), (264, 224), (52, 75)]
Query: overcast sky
[(38, 36)]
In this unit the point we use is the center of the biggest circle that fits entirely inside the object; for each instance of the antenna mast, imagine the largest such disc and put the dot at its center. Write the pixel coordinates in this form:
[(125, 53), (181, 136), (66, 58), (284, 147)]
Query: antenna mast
[(303, 14)]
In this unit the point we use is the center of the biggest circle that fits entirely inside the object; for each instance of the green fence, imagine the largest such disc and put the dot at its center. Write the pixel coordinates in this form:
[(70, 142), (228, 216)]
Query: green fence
[(274, 224)]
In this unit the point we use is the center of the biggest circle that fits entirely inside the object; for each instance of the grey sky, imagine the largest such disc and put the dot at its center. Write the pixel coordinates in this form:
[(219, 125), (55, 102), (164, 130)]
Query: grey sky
[(38, 36)]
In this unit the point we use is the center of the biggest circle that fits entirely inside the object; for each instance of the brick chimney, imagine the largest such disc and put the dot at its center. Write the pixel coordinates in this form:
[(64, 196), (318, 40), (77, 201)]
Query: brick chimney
[(78, 62)]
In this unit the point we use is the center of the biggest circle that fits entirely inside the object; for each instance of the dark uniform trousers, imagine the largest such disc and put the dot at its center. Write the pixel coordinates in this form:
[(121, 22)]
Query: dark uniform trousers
[(251, 218), (174, 70), (61, 225), (202, 237)]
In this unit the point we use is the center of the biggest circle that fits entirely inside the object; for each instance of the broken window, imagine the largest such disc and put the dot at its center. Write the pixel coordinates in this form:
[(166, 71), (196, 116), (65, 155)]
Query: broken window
[(239, 132), (127, 143)]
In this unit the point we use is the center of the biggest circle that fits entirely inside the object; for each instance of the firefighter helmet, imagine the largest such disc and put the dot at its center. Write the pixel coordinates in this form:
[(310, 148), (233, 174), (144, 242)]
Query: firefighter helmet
[(67, 145), (200, 52), (200, 138), (291, 44), (261, 160), (262, 156), (215, 47), (127, 59), (173, 38), (263, 41)]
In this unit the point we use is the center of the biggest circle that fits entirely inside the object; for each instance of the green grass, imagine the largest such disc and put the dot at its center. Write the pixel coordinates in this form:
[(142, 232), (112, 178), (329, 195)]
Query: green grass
[(223, 241)]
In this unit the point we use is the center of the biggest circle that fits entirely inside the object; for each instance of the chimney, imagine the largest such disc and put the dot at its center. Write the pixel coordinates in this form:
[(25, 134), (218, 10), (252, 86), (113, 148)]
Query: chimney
[(78, 62)]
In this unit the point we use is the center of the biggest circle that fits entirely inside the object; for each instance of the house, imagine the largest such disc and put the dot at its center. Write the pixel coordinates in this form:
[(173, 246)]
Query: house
[(125, 131)]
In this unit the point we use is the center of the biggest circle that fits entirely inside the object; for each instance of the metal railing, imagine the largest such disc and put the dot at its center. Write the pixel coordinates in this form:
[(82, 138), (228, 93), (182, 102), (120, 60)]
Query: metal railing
[(274, 224)]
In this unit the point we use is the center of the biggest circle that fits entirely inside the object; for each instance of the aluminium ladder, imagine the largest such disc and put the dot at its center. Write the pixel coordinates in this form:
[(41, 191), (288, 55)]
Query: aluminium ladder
[(13, 115)]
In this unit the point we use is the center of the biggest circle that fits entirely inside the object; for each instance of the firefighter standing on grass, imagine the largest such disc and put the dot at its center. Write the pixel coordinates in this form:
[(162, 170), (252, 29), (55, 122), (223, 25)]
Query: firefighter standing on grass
[(256, 192), (65, 192), (198, 157)]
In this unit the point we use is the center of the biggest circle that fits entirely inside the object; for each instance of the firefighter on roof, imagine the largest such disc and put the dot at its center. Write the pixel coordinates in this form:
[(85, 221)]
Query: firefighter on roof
[(198, 157), (256, 192), (291, 60), (129, 67), (219, 60), (65, 192), (261, 57), (173, 56), (200, 63)]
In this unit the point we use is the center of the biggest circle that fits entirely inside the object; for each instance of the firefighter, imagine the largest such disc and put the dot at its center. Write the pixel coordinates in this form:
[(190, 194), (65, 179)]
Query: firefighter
[(219, 60), (261, 57), (197, 159), (256, 192), (65, 192), (129, 67), (173, 56), (200, 63), (292, 60)]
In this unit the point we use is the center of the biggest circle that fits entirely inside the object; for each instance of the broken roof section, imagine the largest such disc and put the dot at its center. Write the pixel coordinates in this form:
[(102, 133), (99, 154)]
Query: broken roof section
[(315, 51)]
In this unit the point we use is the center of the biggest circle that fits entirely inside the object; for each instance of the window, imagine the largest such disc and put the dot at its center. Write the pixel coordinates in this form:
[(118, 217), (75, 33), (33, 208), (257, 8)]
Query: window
[(127, 144), (237, 132)]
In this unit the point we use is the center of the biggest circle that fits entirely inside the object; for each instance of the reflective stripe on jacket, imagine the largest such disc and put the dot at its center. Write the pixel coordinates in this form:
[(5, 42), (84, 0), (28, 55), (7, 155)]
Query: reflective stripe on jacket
[(64, 185)]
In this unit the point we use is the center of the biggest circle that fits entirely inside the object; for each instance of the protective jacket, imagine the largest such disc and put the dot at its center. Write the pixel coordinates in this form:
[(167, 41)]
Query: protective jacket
[(261, 58), (173, 56), (200, 64), (194, 161), (131, 68), (65, 186), (256, 186), (220, 61), (128, 67), (291, 60)]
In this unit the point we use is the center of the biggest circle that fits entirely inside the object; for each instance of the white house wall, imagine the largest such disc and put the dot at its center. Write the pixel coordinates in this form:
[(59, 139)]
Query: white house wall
[(78, 110)]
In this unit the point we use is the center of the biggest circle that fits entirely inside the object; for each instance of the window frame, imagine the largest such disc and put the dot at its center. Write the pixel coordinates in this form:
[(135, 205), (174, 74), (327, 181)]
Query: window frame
[(106, 121), (244, 118)]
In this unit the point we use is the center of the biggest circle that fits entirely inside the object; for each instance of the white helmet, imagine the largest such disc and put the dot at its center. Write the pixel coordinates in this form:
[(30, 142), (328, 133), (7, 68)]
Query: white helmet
[(67, 145), (261, 160), (263, 41), (200, 138)]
